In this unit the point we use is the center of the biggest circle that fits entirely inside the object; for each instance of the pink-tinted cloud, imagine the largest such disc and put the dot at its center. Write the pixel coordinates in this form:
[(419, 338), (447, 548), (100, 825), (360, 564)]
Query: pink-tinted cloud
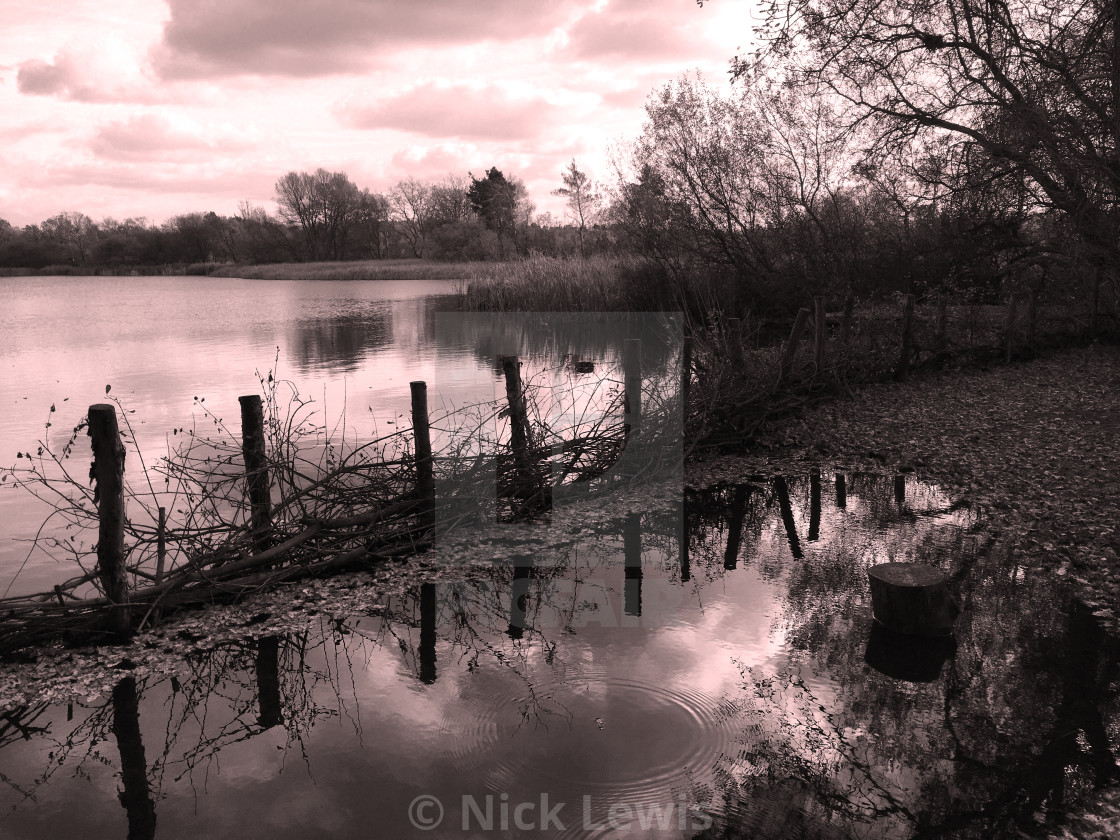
[(456, 110), (321, 37), (152, 136), (84, 76), (629, 31)]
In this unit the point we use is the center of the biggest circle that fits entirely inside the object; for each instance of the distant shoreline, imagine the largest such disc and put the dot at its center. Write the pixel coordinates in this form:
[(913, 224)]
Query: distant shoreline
[(410, 269)]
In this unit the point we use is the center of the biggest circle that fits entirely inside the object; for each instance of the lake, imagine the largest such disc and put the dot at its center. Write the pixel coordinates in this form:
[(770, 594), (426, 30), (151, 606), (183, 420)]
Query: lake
[(178, 351)]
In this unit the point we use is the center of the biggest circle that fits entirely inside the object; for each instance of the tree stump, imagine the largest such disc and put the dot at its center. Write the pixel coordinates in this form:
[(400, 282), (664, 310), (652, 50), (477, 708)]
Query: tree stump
[(912, 598)]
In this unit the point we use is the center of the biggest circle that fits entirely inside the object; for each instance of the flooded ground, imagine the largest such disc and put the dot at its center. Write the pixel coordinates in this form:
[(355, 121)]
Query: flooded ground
[(702, 668)]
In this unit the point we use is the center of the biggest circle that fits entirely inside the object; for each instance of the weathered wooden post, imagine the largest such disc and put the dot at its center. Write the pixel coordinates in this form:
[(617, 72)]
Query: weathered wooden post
[(942, 321), (1010, 350), (903, 370), (821, 335), (686, 372), (422, 443), (108, 472), (794, 339), (520, 437), (912, 598), (632, 363), (161, 543), (256, 470), (734, 339)]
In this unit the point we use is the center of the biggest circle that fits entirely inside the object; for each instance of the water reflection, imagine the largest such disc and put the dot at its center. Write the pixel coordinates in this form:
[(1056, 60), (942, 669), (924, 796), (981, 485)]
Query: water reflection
[(727, 684)]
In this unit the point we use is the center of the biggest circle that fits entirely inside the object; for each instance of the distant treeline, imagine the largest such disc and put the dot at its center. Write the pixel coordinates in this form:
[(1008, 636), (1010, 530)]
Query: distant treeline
[(322, 216)]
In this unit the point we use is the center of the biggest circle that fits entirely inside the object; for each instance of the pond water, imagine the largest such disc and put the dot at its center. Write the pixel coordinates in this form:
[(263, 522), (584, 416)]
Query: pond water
[(701, 668)]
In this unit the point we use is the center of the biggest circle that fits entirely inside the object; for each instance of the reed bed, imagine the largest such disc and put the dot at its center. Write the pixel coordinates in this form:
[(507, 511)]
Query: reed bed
[(358, 270)]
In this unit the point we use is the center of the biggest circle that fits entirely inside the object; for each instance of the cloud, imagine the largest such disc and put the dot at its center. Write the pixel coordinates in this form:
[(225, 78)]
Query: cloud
[(108, 73), (624, 30), (322, 37), (456, 110), (154, 136)]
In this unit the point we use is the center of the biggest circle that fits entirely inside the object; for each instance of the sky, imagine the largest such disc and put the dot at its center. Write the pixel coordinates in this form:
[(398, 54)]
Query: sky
[(127, 108)]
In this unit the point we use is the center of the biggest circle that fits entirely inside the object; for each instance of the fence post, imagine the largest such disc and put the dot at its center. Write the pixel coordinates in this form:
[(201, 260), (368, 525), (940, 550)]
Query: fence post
[(632, 363), (821, 335), (1010, 327), (422, 435), (161, 543), (907, 339), (256, 469), (734, 339), (108, 472), (520, 437), (794, 339)]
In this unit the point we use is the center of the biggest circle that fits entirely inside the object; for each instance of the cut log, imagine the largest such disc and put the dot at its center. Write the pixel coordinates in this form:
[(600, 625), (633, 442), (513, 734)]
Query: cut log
[(912, 598)]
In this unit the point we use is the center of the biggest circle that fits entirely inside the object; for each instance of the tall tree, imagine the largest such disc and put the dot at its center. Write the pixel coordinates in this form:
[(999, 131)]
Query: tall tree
[(583, 200), (499, 202), (323, 205)]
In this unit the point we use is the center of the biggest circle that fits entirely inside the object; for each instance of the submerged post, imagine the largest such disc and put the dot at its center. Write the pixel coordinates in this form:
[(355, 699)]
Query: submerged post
[(108, 472), (632, 362), (256, 469), (821, 334), (422, 435), (794, 339), (903, 370)]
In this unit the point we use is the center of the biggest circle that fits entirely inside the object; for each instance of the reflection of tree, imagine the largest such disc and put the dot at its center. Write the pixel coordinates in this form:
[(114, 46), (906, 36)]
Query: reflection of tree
[(341, 340), (1015, 726)]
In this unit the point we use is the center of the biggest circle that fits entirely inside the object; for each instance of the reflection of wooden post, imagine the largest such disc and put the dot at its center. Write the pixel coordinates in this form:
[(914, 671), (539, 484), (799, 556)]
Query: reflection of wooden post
[(794, 339), (903, 370), (632, 553), (256, 469), (632, 362), (820, 336), (519, 597), (108, 472), (422, 442), (841, 491), (738, 515), (136, 797), (782, 492), (814, 504), (682, 543), (900, 492), (161, 543), (1010, 328), (427, 633), (268, 682)]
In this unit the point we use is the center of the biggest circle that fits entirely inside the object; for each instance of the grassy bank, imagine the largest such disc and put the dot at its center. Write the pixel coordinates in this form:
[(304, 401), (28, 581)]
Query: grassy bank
[(360, 270)]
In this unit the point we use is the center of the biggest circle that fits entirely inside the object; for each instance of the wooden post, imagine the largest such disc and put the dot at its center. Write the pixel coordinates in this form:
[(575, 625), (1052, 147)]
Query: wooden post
[(256, 470), (1010, 351), (821, 335), (686, 373), (161, 544), (942, 321), (794, 339), (734, 337), (846, 320), (518, 421), (903, 370), (814, 504), (108, 472), (422, 441), (632, 363)]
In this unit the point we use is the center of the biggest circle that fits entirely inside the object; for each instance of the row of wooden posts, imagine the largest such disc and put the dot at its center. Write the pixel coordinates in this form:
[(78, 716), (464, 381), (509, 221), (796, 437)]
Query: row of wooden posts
[(109, 454)]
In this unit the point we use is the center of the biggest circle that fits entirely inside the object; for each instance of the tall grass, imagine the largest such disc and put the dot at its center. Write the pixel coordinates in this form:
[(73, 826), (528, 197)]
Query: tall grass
[(359, 270)]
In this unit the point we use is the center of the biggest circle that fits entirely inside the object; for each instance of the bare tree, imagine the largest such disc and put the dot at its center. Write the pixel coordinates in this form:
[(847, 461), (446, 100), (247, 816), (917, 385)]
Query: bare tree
[(583, 200)]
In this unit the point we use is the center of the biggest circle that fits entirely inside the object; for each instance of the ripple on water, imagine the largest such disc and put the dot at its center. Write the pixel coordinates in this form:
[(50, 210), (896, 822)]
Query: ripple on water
[(613, 739)]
